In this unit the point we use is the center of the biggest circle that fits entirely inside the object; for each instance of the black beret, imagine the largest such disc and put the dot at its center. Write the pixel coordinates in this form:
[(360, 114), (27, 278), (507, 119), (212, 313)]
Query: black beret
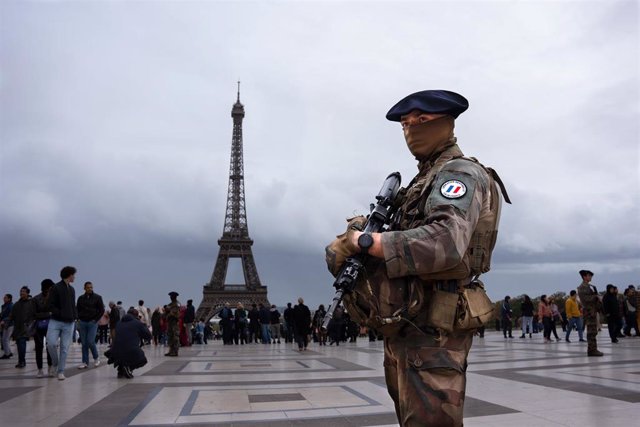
[(430, 101), (172, 294), (585, 272)]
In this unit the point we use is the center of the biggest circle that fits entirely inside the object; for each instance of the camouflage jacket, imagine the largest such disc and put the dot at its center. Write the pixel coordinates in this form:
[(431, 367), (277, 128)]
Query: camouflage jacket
[(433, 234), (591, 303), (430, 239), (174, 311)]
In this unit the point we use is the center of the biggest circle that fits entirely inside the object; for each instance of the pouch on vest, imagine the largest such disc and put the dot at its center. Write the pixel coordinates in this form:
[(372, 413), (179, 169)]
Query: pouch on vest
[(442, 311), (475, 308)]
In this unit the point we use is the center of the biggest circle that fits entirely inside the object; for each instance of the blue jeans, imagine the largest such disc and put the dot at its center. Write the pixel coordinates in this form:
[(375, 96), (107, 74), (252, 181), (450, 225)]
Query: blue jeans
[(21, 344), (64, 332), (266, 334), (6, 339), (87, 332), (577, 322)]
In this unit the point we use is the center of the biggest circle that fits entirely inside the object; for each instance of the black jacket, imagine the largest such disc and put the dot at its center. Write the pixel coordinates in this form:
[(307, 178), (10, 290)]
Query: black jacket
[(189, 314), (90, 307), (301, 319), (610, 306), (288, 315), (275, 317), (22, 314), (41, 306), (125, 349), (114, 317), (527, 308), (253, 316), (62, 302)]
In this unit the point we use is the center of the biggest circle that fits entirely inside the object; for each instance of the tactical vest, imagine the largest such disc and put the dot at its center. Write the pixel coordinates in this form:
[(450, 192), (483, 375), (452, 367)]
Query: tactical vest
[(415, 207), (379, 301)]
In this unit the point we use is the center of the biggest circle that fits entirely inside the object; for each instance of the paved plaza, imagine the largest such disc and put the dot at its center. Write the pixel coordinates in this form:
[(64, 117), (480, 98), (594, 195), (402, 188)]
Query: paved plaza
[(518, 382)]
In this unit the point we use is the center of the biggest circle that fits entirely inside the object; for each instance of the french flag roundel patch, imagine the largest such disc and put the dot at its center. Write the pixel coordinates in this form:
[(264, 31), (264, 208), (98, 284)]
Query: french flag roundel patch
[(453, 189)]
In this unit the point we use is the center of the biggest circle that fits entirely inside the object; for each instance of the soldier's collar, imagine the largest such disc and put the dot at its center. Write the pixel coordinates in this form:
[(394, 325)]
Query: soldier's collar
[(450, 151)]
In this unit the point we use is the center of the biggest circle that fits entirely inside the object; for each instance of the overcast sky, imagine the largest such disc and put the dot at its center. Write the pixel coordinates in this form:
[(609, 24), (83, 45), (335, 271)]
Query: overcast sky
[(115, 134)]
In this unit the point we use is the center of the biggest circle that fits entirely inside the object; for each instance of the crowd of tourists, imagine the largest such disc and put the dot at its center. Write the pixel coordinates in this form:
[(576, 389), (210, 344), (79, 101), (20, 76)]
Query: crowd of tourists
[(266, 325), (54, 318), (618, 311)]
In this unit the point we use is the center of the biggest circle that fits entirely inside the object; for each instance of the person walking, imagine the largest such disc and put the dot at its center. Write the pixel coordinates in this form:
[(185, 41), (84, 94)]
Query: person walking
[(288, 323), (62, 305), (254, 324), (155, 325), (527, 317), (6, 326), (630, 311), (173, 328), (301, 324), (274, 324), (555, 317), (574, 319), (611, 312), (336, 326), (226, 317), (264, 316), (242, 321), (42, 316), (90, 309), (103, 328), (189, 318), (22, 314), (114, 318), (506, 312), (318, 319), (544, 313), (145, 316)]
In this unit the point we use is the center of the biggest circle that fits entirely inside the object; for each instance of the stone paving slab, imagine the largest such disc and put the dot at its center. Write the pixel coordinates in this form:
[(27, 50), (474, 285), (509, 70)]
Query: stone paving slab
[(510, 382)]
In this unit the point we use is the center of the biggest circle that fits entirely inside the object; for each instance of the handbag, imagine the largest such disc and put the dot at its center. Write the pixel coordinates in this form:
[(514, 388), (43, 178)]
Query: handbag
[(42, 324)]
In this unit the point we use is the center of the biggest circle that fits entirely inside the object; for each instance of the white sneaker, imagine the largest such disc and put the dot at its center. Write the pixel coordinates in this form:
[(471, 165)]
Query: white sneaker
[(61, 376), (52, 371), (40, 373), (96, 363), (82, 366)]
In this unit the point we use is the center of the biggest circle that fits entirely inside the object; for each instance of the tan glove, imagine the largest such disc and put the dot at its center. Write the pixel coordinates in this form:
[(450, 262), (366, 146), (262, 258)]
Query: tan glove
[(342, 248)]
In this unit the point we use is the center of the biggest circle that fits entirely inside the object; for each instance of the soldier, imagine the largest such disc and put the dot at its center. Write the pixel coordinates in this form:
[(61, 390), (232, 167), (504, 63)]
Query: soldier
[(419, 274), (173, 329), (591, 306)]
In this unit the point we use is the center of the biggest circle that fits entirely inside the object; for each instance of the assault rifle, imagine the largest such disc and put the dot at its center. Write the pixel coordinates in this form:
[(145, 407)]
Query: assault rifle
[(380, 216)]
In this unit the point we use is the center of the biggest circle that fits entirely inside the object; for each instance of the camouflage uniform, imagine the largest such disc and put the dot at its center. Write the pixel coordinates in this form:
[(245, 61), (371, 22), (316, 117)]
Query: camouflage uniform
[(422, 295), (591, 305), (173, 330), (424, 367)]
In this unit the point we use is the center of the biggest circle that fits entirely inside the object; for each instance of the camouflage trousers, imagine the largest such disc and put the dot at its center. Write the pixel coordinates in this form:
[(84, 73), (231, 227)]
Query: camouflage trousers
[(426, 376), (591, 323), (173, 337)]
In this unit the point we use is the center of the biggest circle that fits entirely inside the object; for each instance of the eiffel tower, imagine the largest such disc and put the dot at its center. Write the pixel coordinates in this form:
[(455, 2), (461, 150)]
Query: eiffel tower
[(235, 241)]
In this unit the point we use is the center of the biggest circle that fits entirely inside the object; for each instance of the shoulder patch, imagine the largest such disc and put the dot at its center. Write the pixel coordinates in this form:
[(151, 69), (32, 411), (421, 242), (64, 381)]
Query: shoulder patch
[(453, 189)]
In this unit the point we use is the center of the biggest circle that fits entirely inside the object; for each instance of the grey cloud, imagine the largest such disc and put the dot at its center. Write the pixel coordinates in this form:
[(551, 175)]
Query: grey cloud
[(115, 133)]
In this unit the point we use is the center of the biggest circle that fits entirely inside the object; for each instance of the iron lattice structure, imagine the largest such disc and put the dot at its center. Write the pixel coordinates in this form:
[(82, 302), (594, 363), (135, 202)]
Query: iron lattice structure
[(235, 241)]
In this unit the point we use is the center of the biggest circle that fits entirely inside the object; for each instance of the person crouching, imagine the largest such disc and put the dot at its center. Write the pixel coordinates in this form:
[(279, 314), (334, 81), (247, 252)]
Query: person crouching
[(125, 352)]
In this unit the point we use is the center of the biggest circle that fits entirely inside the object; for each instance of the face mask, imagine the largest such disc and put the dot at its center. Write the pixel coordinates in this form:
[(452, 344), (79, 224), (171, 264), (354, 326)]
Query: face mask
[(425, 139)]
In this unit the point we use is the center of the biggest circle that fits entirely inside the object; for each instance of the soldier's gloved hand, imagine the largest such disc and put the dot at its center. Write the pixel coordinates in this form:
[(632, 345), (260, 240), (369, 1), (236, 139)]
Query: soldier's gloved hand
[(343, 246)]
